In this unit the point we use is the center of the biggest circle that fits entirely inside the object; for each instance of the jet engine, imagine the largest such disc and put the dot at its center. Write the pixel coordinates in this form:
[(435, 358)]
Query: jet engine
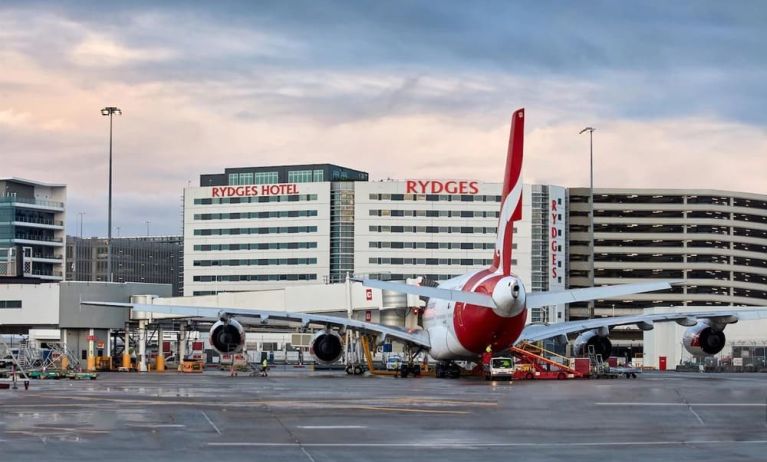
[(227, 336), (327, 346), (509, 297), (703, 339), (601, 343)]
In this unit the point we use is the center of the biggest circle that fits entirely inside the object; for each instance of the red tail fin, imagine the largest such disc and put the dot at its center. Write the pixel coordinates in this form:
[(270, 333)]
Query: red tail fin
[(511, 197)]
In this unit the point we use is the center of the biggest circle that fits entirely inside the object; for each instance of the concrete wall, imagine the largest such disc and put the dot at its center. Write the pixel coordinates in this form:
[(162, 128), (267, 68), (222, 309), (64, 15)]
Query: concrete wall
[(39, 305), (76, 316), (308, 299)]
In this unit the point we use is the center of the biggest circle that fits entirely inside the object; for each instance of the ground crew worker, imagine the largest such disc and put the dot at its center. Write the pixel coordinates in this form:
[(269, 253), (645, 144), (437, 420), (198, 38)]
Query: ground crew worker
[(264, 367), (487, 356)]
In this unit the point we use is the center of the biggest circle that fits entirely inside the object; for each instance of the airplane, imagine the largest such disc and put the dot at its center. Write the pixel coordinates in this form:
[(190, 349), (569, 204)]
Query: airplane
[(480, 309)]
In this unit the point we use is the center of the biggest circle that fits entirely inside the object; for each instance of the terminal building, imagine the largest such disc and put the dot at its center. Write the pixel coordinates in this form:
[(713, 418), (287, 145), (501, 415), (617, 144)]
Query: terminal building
[(713, 241), (32, 229), (148, 259)]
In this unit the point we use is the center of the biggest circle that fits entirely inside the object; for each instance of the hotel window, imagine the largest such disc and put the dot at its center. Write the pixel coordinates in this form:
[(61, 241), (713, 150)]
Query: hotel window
[(300, 176), (246, 178), (319, 175), (266, 178), (234, 179)]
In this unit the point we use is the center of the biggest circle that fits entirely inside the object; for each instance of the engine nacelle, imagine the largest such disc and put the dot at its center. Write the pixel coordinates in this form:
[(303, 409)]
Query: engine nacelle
[(509, 297), (227, 337), (601, 343), (703, 340), (326, 346)]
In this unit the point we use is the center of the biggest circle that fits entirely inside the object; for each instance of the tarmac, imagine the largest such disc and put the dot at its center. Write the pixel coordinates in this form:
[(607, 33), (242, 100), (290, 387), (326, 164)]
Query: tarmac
[(300, 415)]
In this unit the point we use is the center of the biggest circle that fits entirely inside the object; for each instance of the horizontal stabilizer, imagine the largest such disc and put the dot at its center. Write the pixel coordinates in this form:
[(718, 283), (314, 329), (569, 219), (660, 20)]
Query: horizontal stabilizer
[(540, 299), (432, 292)]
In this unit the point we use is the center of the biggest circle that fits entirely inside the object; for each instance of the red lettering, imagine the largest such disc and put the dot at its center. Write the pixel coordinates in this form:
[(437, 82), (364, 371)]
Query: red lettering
[(239, 191), (553, 205), (554, 272), (274, 189), (437, 187), (215, 192), (553, 232), (553, 246), (229, 191)]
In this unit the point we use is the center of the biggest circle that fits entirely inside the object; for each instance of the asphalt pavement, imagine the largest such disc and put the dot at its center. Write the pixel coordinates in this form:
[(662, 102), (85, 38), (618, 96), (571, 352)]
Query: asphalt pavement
[(299, 415)]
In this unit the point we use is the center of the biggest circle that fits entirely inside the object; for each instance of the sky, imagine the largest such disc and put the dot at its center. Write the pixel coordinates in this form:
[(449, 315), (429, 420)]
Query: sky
[(677, 92)]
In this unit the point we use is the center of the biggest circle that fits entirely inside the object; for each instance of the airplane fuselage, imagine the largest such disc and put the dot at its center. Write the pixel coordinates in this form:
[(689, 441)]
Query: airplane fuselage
[(463, 331)]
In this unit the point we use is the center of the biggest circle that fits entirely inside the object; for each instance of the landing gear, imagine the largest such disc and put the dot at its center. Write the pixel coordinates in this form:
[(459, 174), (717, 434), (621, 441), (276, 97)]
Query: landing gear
[(355, 369), (409, 369), (448, 369)]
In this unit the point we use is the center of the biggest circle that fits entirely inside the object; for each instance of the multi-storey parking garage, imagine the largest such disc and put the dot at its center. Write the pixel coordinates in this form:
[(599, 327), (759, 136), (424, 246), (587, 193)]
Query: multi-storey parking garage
[(714, 241)]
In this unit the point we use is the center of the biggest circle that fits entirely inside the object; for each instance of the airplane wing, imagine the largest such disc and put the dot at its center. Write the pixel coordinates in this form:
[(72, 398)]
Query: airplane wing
[(415, 337), (534, 299), (535, 332), (539, 299), (431, 292)]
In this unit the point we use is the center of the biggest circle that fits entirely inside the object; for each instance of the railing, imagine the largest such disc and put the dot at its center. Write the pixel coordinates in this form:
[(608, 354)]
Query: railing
[(39, 221), (49, 257), (28, 200), (47, 273), (37, 237)]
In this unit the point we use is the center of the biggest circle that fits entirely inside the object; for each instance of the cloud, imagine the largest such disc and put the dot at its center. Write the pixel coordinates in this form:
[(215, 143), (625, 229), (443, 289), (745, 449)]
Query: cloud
[(205, 88), (97, 51)]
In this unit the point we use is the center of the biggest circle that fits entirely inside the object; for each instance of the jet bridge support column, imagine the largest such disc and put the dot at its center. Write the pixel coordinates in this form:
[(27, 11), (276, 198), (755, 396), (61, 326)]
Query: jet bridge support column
[(160, 361), (142, 346), (126, 348), (181, 345), (91, 356)]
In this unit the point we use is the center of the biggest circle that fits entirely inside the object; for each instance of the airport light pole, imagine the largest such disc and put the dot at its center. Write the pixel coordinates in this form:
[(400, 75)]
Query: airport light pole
[(110, 111), (81, 223), (147, 227), (591, 209)]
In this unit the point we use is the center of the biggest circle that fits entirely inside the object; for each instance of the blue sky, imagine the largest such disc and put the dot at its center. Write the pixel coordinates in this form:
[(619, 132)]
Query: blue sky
[(676, 90)]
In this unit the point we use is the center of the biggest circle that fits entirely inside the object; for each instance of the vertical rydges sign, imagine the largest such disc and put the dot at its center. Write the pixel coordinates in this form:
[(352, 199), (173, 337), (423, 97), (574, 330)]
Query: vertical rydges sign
[(557, 213), (557, 238)]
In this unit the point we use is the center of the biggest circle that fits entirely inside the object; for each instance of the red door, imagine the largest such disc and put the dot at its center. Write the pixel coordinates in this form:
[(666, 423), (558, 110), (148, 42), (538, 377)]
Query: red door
[(662, 363)]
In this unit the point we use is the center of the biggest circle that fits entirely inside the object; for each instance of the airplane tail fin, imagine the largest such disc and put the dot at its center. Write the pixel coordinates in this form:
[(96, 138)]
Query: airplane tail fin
[(511, 197)]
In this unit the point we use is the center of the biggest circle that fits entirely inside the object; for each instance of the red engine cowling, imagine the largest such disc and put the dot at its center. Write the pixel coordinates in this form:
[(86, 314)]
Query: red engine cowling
[(327, 346), (703, 340), (227, 337)]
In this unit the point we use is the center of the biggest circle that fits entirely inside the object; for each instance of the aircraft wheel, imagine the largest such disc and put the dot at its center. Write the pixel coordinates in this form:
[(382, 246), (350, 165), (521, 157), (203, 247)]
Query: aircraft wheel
[(357, 370), (529, 376), (349, 370)]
